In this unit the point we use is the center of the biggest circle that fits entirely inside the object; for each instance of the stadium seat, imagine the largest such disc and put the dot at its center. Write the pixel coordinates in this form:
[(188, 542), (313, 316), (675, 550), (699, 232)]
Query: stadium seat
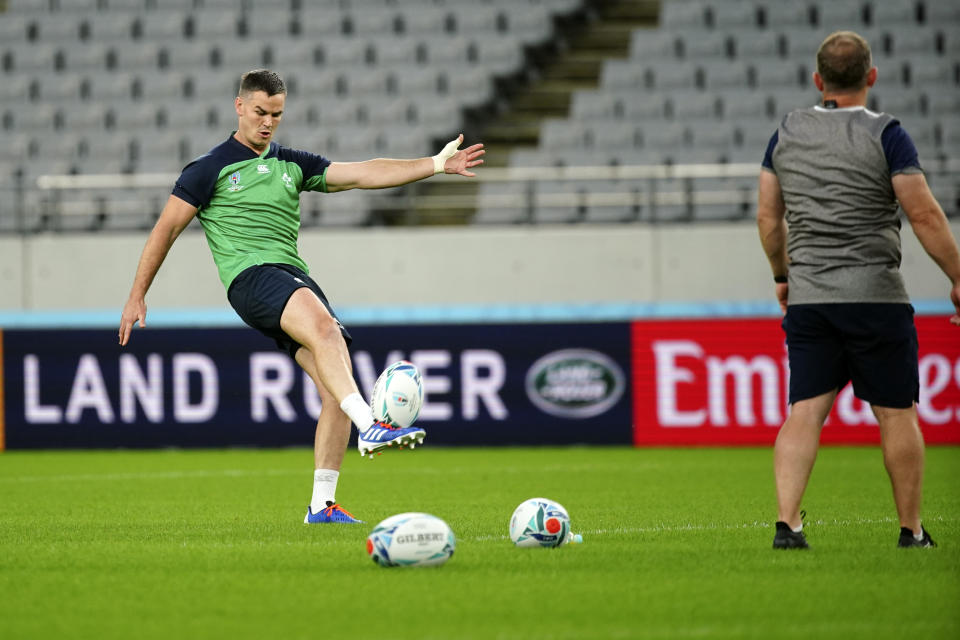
[(156, 152), (739, 105), (671, 76), (558, 202), (58, 31), (81, 212), (653, 44), (933, 72), (833, 15), (346, 208), (669, 201), (418, 81), (52, 88), (892, 14), (34, 58), (786, 100), (695, 45), (529, 24), (13, 28), (941, 13), (613, 201), (732, 13), (499, 55), (86, 117), (417, 22), (559, 134), (683, 14), (725, 74), (909, 40), (943, 103), (209, 24), (370, 21), (693, 105), (447, 51), (776, 74), (589, 104), (643, 105), (664, 136), (86, 57), (130, 212), (623, 74), (612, 135), (753, 46), (161, 26), (141, 58), (394, 51), (503, 203), (778, 15), (473, 19), (899, 103), (110, 28), (468, 85), (717, 137)]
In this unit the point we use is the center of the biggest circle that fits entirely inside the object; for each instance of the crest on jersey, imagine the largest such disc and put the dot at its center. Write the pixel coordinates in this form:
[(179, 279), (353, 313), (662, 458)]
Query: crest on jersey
[(235, 182)]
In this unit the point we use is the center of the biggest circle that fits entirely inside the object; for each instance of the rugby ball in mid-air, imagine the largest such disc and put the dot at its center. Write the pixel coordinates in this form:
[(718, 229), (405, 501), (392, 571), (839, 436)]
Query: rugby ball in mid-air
[(397, 395), (411, 540), (539, 522)]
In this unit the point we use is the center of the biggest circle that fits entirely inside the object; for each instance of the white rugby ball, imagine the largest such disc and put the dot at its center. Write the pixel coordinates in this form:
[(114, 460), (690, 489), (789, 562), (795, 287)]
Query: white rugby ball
[(539, 522), (397, 395), (411, 540)]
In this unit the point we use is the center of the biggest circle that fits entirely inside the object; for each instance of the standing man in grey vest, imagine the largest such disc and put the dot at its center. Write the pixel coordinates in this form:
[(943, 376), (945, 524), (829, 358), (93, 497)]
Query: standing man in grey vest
[(827, 215)]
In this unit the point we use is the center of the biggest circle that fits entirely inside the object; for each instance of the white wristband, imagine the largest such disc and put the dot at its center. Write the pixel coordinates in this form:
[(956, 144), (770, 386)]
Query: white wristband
[(441, 158)]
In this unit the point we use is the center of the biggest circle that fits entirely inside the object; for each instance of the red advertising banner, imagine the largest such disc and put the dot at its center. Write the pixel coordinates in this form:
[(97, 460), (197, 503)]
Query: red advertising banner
[(724, 382)]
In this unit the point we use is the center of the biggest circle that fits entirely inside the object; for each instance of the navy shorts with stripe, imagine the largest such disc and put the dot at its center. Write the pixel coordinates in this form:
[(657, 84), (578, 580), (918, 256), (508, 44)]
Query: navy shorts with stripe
[(873, 345), (259, 294)]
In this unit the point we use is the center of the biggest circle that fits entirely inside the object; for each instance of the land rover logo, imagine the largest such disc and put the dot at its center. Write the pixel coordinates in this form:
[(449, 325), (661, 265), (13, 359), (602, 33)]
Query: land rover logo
[(575, 383)]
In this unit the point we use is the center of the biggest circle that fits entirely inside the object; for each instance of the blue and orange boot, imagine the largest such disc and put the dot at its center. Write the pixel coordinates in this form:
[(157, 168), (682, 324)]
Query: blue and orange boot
[(381, 436), (333, 513)]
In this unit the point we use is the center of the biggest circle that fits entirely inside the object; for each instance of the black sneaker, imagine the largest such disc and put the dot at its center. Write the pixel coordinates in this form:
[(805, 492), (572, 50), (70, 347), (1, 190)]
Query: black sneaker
[(787, 538), (907, 539)]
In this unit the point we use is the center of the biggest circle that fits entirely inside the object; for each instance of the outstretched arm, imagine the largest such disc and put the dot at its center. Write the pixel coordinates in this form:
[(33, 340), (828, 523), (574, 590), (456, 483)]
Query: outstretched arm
[(381, 173), (174, 218), (931, 228), (772, 225)]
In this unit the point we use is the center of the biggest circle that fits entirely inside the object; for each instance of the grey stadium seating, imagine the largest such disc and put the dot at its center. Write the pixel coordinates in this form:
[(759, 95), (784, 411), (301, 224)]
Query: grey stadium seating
[(146, 85)]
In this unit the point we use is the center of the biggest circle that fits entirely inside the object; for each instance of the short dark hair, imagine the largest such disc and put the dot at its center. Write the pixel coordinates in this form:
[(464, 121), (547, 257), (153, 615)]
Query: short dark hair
[(264, 80), (843, 61)]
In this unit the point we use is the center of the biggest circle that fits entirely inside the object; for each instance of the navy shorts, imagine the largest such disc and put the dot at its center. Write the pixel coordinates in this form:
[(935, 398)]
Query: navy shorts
[(871, 344), (259, 294)]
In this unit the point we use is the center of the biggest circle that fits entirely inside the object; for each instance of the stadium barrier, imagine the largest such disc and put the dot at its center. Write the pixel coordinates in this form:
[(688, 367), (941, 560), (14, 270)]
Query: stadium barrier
[(645, 193), (647, 382)]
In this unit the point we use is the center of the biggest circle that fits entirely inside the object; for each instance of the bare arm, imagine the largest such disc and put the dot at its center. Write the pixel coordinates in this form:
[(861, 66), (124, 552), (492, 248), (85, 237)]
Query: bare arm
[(772, 225), (174, 218), (931, 228), (381, 173)]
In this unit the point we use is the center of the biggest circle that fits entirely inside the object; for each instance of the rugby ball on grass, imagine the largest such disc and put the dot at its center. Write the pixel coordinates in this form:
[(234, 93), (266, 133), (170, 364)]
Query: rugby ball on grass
[(411, 540), (397, 395), (539, 522)]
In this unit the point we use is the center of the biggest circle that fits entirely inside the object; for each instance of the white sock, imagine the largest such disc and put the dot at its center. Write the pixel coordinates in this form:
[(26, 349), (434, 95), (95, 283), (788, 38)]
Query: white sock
[(918, 536), (798, 529), (359, 411), (324, 489)]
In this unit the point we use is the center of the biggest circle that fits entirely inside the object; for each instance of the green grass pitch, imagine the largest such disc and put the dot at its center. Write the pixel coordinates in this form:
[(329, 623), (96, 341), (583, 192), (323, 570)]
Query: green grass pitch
[(210, 544)]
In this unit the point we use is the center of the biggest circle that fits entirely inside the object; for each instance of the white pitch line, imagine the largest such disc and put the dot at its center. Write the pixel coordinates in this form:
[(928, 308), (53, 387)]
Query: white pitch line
[(756, 524), (156, 475)]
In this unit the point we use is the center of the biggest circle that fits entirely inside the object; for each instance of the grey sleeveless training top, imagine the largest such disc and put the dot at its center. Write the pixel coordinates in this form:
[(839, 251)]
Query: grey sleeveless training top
[(843, 228)]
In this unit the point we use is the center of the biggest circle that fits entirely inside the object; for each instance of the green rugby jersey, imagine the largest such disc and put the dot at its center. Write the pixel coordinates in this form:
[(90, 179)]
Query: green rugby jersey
[(249, 204)]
